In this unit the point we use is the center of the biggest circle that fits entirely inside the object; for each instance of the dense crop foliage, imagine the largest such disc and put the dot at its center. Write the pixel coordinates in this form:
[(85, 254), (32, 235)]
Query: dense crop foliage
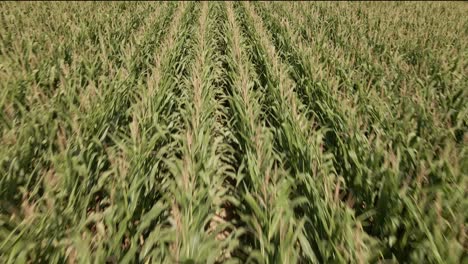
[(233, 132)]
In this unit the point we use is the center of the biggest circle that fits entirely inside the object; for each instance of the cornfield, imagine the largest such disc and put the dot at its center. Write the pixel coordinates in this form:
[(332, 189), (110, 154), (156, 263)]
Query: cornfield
[(233, 132)]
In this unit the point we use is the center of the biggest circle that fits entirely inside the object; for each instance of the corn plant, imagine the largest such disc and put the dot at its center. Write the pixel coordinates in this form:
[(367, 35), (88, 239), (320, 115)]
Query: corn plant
[(233, 132)]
